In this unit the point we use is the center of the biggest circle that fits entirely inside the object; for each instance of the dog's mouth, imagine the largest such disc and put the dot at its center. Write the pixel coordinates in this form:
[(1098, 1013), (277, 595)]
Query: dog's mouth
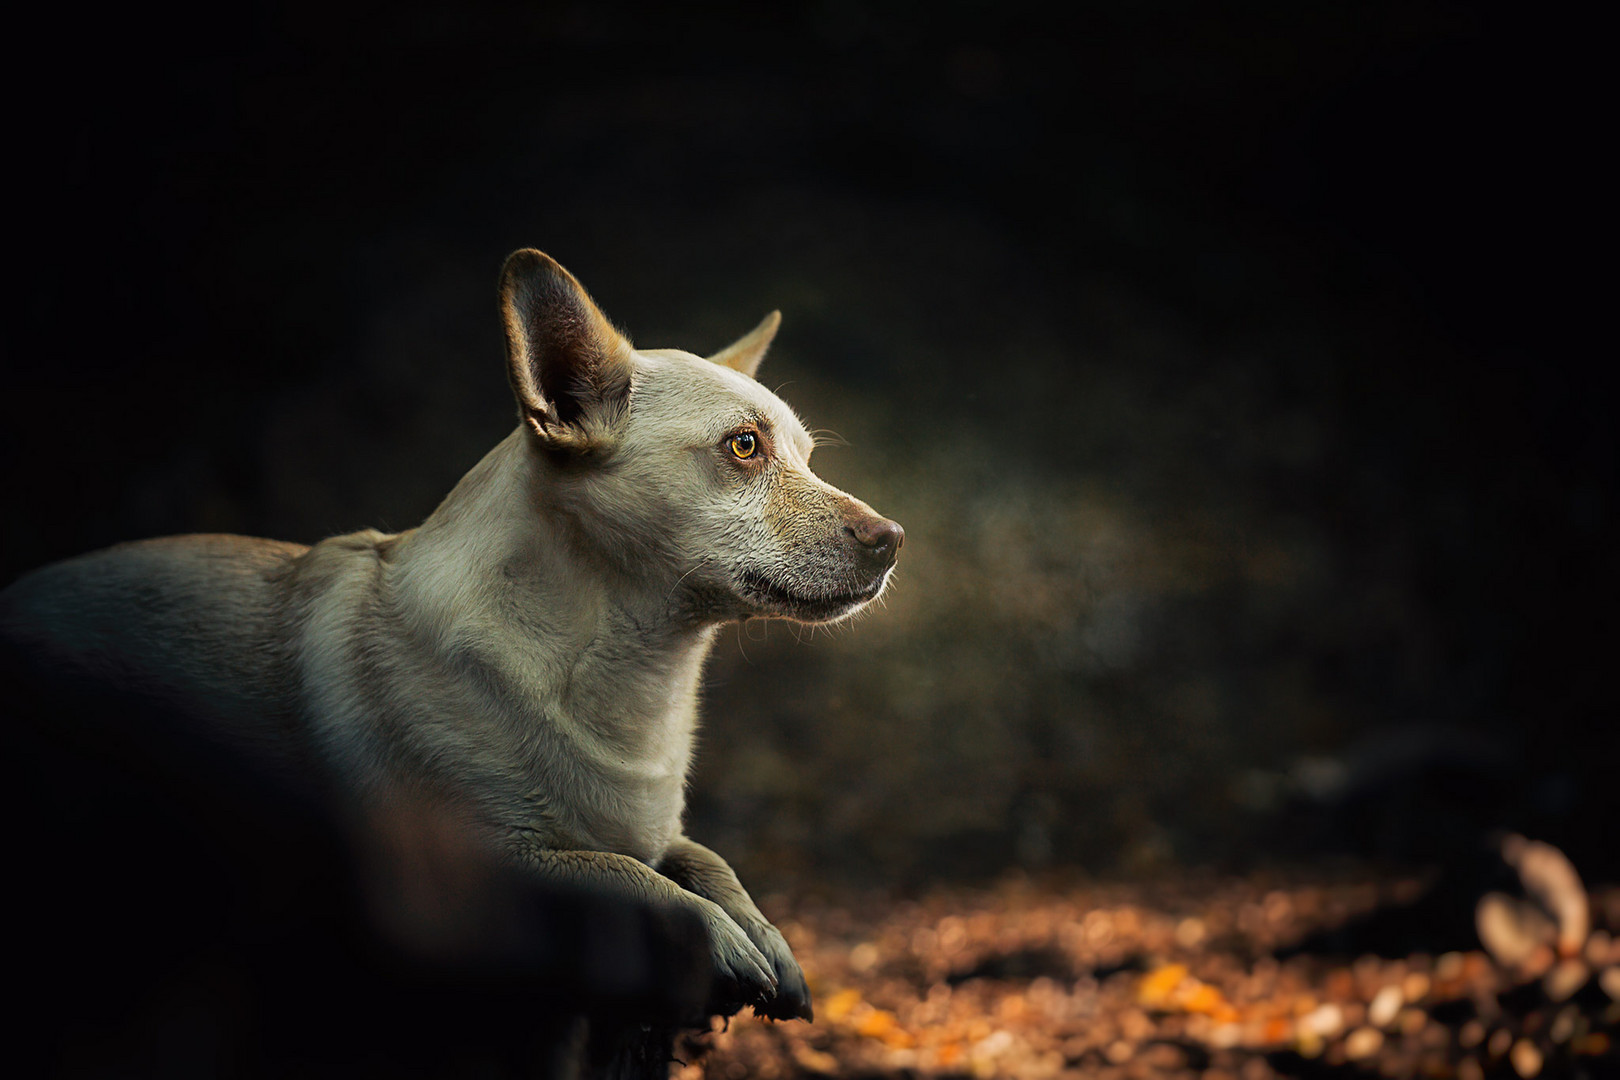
[(813, 607)]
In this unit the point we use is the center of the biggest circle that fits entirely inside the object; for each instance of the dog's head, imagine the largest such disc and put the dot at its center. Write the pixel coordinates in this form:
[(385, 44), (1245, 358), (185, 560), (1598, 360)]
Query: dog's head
[(683, 473)]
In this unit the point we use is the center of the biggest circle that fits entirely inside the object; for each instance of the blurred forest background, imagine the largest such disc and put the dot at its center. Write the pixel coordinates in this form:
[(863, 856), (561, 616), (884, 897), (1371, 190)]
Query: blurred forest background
[(1231, 367)]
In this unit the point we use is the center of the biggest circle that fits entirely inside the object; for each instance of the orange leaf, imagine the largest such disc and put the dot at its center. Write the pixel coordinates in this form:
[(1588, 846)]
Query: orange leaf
[(1157, 986), (1201, 998), (841, 1004)]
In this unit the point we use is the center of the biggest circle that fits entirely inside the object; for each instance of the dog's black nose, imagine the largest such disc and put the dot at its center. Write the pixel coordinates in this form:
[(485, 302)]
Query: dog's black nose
[(879, 537)]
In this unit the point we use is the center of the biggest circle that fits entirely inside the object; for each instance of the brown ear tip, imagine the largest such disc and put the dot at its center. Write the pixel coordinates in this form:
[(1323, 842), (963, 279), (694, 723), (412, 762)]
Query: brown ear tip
[(525, 262)]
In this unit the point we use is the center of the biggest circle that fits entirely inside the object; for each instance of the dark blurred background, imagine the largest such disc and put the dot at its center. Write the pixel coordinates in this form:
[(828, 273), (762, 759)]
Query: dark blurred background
[(1233, 369)]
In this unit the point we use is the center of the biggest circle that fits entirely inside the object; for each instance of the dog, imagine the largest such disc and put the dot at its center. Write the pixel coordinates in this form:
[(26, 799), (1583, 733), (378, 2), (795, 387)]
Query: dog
[(531, 653)]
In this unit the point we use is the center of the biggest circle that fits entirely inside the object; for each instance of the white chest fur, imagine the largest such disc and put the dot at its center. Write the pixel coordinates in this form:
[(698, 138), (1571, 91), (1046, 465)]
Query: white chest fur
[(479, 657)]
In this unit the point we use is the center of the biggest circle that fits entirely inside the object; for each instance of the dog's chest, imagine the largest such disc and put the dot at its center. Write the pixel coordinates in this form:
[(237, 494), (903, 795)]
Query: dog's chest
[(566, 719), (598, 793), (607, 762)]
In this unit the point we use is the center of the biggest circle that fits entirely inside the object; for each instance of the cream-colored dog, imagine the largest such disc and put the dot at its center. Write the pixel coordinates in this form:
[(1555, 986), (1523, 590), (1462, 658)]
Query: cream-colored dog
[(532, 651)]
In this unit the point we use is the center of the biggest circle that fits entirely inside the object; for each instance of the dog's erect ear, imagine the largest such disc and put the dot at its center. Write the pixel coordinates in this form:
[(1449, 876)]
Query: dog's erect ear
[(569, 367), (746, 352)]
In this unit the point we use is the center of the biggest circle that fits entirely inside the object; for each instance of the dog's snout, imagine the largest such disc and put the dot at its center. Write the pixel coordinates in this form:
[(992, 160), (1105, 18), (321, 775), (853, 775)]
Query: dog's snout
[(879, 538)]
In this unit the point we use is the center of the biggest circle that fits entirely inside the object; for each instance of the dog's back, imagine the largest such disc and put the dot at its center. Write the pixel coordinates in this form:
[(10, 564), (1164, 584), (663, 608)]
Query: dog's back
[(191, 622)]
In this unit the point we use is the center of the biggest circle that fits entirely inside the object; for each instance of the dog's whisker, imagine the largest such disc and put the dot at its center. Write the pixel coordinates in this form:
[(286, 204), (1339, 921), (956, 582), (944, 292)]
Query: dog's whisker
[(695, 567), (827, 437)]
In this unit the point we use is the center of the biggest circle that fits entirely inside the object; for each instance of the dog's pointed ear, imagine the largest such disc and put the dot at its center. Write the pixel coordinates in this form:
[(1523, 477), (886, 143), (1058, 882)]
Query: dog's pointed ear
[(746, 352), (570, 369)]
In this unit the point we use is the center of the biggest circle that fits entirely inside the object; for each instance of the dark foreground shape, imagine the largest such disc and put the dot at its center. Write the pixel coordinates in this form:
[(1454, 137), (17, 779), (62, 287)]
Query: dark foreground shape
[(178, 912)]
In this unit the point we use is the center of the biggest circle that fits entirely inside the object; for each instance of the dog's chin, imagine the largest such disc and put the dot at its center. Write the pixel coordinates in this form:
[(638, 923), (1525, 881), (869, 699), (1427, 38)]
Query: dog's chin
[(774, 599)]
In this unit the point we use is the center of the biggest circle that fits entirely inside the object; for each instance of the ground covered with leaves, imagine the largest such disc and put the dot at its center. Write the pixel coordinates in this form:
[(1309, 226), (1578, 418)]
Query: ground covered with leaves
[(1247, 977)]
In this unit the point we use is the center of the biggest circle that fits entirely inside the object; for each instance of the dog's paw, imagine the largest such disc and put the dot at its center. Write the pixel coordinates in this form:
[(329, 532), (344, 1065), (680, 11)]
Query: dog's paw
[(792, 998), (742, 974)]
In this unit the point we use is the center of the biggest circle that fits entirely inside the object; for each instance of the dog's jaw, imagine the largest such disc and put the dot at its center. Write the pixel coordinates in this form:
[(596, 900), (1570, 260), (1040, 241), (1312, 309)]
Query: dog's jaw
[(771, 598)]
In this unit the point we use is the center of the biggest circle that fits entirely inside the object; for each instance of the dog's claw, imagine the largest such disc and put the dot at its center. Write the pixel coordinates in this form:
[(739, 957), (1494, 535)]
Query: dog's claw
[(792, 998)]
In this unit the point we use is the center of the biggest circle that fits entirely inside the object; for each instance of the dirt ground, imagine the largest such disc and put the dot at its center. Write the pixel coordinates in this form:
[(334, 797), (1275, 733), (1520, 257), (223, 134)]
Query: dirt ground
[(1247, 977)]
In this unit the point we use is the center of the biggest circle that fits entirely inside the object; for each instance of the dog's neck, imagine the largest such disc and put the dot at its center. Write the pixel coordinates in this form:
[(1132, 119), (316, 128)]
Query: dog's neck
[(496, 576)]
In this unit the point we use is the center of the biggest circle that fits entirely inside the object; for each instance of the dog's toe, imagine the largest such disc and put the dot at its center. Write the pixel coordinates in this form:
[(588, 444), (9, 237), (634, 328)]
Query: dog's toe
[(792, 998), (743, 975)]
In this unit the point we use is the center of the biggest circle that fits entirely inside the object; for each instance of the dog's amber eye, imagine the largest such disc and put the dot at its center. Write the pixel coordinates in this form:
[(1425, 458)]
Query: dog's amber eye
[(744, 444)]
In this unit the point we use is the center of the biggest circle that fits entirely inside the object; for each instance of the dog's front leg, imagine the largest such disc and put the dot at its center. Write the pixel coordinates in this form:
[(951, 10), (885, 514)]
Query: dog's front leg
[(699, 870), (742, 971)]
